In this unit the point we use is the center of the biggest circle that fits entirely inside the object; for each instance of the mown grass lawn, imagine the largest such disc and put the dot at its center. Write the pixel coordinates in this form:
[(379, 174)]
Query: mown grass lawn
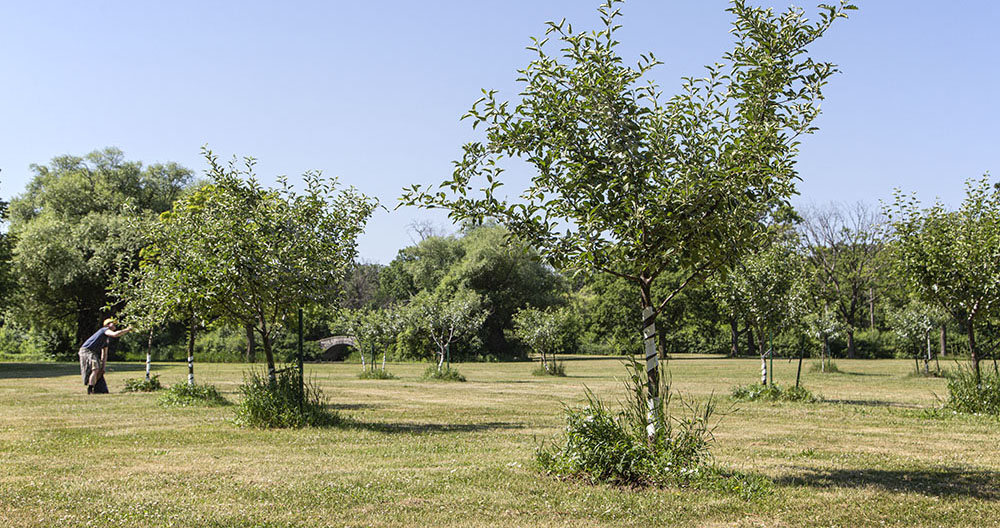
[(420, 453)]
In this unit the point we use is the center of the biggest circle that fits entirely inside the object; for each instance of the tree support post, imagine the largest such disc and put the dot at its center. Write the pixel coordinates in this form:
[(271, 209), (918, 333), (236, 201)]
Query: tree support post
[(652, 372)]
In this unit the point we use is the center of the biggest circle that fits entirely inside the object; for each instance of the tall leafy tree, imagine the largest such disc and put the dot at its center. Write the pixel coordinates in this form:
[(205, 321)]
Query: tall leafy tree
[(844, 247), (950, 257), (633, 185), (7, 282), (249, 254), (70, 230)]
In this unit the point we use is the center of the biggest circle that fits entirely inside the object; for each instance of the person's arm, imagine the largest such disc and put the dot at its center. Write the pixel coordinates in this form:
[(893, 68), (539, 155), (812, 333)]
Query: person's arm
[(117, 333), (104, 359)]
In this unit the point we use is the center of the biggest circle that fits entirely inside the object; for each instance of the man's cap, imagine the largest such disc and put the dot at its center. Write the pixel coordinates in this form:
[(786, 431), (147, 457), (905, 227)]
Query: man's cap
[(108, 321)]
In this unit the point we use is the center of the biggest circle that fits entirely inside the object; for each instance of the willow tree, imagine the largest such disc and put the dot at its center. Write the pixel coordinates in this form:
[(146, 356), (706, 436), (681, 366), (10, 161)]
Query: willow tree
[(247, 254), (631, 183)]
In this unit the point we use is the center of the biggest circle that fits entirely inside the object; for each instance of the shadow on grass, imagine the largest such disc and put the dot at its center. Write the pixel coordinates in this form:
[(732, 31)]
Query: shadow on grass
[(875, 403), (944, 482), (428, 428), (55, 370), (352, 406)]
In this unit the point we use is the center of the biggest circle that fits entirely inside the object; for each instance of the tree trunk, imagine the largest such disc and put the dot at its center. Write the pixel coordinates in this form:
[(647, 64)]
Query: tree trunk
[(763, 357), (653, 425), (191, 330), (734, 337), (871, 308), (850, 343), (927, 358), (824, 354), (149, 353), (972, 350), (251, 345), (944, 339), (272, 375), (751, 344), (440, 360)]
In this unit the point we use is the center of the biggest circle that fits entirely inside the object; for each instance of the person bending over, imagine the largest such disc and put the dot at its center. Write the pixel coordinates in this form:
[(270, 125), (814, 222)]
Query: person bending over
[(94, 356)]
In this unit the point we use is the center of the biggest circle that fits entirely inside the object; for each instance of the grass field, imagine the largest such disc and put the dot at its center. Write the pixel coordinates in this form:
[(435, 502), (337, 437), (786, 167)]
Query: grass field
[(873, 453)]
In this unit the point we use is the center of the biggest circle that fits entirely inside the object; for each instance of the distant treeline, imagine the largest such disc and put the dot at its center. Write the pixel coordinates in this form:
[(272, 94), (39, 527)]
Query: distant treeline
[(828, 278)]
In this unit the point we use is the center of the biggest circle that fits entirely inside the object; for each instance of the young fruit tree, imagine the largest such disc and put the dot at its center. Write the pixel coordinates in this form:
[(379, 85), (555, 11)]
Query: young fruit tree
[(250, 255), (950, 257), (632, 184), (445, 316), (766, 289), (543, 331), (373, 330)]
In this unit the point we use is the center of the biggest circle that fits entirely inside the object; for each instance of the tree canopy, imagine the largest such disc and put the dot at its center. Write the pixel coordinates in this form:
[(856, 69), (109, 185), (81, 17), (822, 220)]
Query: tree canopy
[(70, 230), (236, 250)]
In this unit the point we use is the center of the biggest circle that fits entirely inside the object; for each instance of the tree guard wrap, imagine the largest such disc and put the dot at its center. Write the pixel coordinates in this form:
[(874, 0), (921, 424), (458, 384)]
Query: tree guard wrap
[(652, 370)]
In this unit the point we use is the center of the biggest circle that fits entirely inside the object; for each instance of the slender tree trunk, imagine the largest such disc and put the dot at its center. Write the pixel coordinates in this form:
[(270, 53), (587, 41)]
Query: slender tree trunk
[(944, 339), (751, 344), (972, 350), (149, 353), (251, 344), (871, 308), (850, 343), (763, 357), (265, 339), (824, 354), (191, 331), (441, 360), (927, 358), (734, 337), (653, 417)]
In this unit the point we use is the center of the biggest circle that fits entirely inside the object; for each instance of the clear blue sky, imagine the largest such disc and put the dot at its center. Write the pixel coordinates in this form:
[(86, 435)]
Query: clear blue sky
[(372, 92)]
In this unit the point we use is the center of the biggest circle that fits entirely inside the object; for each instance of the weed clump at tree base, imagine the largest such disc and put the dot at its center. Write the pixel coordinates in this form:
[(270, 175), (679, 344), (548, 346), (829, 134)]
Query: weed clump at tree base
[(183, 395), (279, 404), (772, 392), (604, 447), (967, 396), (445, 374), (376, 374), (142, 384), (553, 369)]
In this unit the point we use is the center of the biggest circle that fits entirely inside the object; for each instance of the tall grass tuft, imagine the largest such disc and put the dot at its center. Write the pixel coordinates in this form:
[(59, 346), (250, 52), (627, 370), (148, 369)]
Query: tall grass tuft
[(376, 374), (279, 404), (831, 367), (181, 395), (445, 374), (772, 392), (142, 384), (964, 395), (603, 446), (555, 369)]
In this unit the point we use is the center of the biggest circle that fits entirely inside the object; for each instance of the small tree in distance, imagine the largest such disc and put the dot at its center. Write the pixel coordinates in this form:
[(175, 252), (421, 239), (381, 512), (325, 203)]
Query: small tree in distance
[(543, 332), (446, 316), (251, 255)]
